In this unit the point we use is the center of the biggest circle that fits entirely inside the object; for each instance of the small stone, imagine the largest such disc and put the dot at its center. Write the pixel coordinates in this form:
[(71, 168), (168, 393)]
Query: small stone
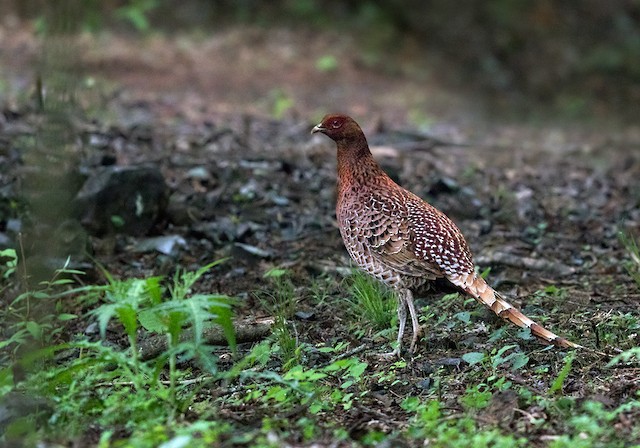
[(254, 250), (164, 244), (198, 172), (305, 315), (448, 362)]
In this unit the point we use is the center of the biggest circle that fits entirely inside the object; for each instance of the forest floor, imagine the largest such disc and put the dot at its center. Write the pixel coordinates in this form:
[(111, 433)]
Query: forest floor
[(227, 120)]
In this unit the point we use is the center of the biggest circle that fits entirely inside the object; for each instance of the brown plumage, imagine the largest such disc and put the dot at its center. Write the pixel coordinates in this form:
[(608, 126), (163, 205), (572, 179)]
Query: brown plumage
[(402, 240)]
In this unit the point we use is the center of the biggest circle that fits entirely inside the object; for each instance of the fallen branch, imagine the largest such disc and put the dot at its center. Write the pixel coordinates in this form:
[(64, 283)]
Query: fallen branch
[(246, 331), (528, 263)]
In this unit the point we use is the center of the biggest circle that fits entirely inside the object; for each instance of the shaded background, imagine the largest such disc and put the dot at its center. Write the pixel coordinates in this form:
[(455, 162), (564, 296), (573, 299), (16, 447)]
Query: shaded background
[(575, 58)]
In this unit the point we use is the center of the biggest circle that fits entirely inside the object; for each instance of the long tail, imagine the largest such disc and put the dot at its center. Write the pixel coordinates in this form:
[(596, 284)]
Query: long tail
[(477, 288)]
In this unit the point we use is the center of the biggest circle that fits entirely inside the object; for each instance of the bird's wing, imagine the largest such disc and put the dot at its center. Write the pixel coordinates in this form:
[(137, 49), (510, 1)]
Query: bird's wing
[(391, 239), (436, 240)]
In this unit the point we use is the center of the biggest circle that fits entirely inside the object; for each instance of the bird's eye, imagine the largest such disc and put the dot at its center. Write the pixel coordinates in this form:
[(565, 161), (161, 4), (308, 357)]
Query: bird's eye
[(335, 124)]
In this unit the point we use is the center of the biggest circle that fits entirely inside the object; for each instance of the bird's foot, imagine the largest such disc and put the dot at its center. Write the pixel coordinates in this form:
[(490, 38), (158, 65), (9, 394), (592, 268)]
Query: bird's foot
[(390, 355)]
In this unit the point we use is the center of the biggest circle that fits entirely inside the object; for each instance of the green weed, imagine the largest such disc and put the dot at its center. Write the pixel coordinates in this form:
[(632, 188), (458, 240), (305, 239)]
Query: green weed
[(618, 329), (477, 397), (390, 377), (327, 63), (280, 103), (10, 262), (92, 16), (281, 302), (312, 388), (627, 356), (371, 300), (429, 423), (421, 119), (507, 356), (102, 386), (126, 299), (593, 425), (552, 291), (136, 11), (557, 384), (535, 233), (35, 316), (320, 290), (633, 264)]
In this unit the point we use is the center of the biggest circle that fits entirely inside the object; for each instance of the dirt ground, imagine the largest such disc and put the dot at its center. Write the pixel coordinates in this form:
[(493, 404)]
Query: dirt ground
[(227, 119)]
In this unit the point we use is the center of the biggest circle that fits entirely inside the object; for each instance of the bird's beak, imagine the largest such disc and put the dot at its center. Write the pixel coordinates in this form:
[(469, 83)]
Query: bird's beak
[(317, 128)]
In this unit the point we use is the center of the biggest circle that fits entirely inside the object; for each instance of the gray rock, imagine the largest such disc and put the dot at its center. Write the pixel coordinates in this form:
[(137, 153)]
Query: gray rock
[(122, 200)]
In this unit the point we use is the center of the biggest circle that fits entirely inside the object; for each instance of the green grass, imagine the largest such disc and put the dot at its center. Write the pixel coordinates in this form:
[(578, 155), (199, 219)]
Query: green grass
[(633, 263), (280, 301), (99, 384), (373, 302), (281, 390)]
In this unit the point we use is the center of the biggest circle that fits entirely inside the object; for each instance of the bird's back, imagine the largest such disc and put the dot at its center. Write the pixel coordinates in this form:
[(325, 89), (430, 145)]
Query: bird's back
[(396, 236)]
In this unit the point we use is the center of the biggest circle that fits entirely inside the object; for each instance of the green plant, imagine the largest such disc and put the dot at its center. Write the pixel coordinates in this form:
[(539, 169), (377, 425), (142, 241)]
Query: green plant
[(535, 233), (320, 290), (280, 103), (124, 301), (326, 63), (92, 15), (136, 12), (307, 386), (371, 300), (626, 356), (618, 328), (429, 423), (515, 359), (102, 386), (557, 384), (421, 119), (281, 303), (633, 264), (476, 397), (473, 357), (552, 291), (36, 315), (390, 377), (167, 317), (593, 425), (10, 264), (110, 387), (503, 356)]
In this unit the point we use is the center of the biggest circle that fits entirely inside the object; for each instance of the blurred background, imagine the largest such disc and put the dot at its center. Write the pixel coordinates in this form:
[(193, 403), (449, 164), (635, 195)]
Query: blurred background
[(573, 59)]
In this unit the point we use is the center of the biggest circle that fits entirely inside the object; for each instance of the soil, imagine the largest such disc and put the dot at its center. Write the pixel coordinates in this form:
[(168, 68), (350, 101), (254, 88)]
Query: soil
[(227, 119)]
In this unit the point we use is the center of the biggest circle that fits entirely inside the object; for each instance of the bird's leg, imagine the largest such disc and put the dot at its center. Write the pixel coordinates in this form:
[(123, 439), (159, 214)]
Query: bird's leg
[(402, 321), (408, 297)]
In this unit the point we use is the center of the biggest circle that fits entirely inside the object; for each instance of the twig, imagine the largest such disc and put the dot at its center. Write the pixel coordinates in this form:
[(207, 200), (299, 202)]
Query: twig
[(246, 331), (527, 263), (200, 379), (351, 352)]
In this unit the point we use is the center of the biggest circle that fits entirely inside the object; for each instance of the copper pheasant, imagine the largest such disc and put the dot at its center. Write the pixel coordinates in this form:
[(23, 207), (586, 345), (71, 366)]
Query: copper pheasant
[(402, 240)]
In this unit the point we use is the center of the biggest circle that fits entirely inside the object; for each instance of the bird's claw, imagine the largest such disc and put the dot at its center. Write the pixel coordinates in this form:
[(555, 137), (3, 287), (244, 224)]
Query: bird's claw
[(390, 355)]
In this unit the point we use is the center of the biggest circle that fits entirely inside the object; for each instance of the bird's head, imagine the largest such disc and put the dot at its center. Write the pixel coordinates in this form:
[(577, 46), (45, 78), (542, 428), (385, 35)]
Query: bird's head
[(338, 127)]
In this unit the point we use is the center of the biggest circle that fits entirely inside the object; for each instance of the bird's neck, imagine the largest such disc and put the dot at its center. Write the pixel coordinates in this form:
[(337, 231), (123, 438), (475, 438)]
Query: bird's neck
[(356, 165)]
